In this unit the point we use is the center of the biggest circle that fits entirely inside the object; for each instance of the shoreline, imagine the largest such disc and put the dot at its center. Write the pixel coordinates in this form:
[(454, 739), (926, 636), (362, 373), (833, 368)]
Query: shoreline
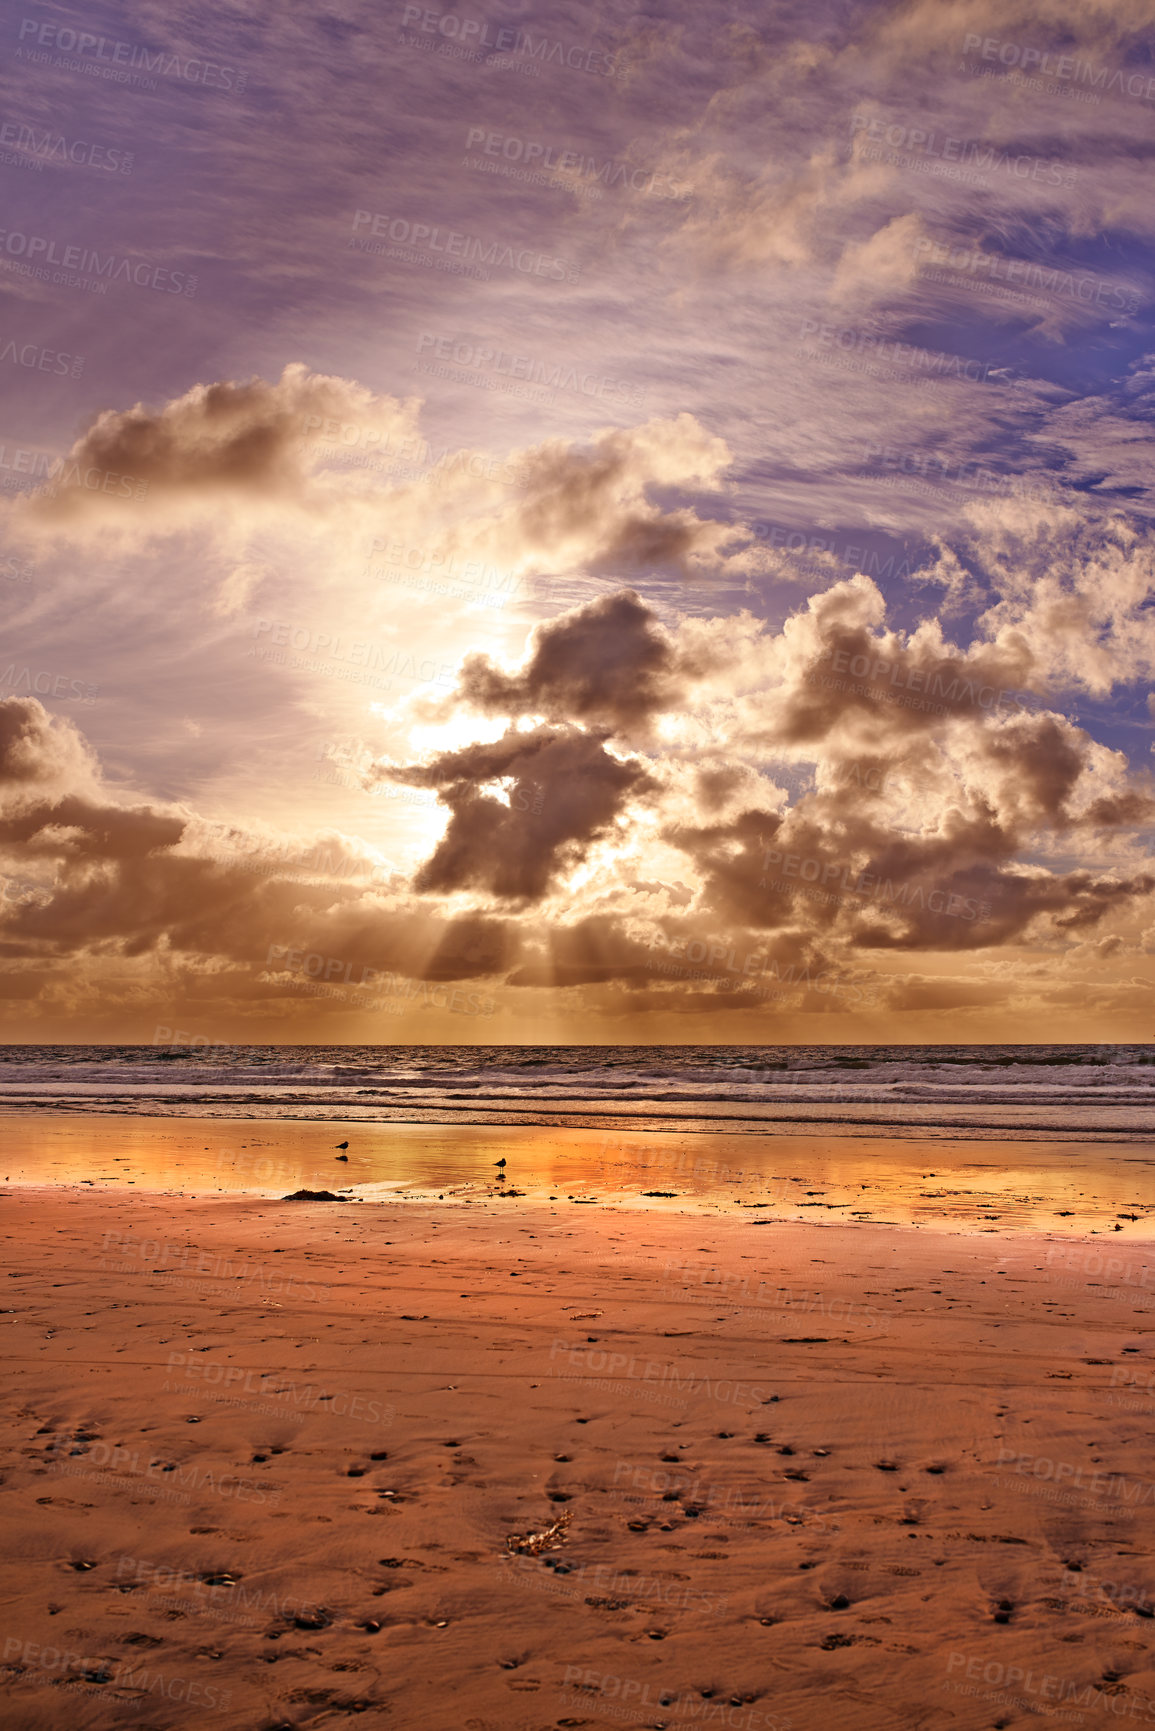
[(644, 1120)]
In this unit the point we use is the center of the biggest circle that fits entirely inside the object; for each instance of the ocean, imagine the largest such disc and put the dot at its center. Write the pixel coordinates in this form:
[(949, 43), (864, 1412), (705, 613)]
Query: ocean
[(1017, 1093)]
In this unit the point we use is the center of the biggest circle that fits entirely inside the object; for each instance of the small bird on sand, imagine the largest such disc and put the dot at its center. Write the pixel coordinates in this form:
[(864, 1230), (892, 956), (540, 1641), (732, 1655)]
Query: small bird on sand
[(340, 1144), (500, 1162)]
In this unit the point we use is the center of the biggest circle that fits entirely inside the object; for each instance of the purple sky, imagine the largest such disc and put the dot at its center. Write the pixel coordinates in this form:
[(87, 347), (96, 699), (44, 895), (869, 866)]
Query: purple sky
[(539, 523)]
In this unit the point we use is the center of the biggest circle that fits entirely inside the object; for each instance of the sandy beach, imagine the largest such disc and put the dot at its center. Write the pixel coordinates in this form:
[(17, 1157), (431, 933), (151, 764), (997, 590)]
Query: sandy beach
[(282, 1463)]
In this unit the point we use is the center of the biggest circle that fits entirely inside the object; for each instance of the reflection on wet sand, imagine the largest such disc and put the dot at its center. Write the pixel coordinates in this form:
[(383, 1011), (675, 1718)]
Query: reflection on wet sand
[(987, 1186)]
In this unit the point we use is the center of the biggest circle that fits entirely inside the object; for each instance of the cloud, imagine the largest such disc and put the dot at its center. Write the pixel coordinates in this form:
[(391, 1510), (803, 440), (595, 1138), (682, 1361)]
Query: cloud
[(925, 845), (35, 754), (608, 664), (844, 676), (174, 906), (791, 212), (229, 461), (586, 505), (919, 28), (1072, 591), (819, 792), (883, 266), (251, 442), (566, 793)]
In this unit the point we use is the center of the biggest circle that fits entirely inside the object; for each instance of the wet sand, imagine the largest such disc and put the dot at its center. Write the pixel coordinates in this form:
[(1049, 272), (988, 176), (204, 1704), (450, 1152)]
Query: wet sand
[(283, 1464), (947, 1182)]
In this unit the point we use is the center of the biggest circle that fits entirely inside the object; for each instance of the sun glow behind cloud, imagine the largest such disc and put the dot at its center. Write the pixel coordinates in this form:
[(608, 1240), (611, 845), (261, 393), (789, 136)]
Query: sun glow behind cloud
[(763, 562)]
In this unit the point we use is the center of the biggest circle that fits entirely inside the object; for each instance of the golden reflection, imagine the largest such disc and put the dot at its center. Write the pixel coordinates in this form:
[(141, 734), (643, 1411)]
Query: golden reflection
[(963, 1184)]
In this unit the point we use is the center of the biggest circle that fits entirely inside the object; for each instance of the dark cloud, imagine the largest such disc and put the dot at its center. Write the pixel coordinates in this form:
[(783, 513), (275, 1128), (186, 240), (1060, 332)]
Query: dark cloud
[(835, 864), (597, 950), (596, 497), (75, 829), (609, 664), (117, 881), (730, 859), (716, 783), (1038, 765), (251, 439), (566, 791), (927, 995), (878, 684), (34, 750)]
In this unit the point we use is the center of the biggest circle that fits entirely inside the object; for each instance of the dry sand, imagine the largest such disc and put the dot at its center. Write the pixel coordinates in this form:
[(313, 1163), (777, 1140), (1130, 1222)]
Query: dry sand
[(264, 1461)]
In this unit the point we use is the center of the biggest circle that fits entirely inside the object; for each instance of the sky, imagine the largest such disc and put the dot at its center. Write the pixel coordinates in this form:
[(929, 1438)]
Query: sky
[(562, 523)]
